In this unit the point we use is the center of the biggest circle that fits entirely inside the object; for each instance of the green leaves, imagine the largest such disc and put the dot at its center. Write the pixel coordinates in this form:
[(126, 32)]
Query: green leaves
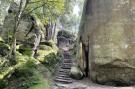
[(46, 10)]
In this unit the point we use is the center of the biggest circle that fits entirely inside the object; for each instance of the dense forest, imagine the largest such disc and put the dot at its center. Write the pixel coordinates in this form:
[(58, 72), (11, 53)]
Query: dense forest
[(67, 44)]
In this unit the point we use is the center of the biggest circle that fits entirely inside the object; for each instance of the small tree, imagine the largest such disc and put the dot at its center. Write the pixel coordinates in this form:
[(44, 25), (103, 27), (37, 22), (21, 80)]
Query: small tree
[(18, 16)]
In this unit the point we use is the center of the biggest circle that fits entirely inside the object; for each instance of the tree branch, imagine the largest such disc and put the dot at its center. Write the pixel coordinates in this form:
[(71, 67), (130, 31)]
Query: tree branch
[(36, 8), (34, 2)]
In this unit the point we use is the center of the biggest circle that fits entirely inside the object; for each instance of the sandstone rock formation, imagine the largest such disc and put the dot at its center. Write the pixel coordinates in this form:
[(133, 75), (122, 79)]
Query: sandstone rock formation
[(107, 35), (30, 30)]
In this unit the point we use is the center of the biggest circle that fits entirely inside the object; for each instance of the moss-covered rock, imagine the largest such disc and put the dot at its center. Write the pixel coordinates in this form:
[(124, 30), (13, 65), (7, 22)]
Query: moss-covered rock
[(28, 73), (29, 77), (25, 50), (45, 50), (47, 43)]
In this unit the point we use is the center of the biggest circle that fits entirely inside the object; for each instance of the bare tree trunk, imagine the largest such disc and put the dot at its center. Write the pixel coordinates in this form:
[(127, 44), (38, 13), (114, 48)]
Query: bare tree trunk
[(54, 31)]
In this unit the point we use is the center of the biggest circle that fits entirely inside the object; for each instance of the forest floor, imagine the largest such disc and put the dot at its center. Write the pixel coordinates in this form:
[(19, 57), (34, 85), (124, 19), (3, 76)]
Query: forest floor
[(86, 84)]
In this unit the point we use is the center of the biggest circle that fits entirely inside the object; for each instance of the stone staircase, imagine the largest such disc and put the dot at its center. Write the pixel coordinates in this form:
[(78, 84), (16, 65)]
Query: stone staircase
[(63, 73)]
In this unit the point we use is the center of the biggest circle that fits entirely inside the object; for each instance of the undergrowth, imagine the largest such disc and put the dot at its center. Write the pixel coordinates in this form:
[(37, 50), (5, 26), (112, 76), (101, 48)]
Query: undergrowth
[(30, 73)]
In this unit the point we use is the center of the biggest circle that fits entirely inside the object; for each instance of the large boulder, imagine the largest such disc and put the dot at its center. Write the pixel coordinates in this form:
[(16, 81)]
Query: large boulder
[(108, 36), (76, 73)]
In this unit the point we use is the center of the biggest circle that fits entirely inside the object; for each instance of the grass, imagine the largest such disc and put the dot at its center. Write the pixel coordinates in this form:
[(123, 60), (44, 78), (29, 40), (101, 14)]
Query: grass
[(29, 77), (42, 84)]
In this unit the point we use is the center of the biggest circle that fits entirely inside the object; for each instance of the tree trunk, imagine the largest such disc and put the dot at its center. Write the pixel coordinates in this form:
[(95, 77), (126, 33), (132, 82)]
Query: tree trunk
[(54, 31), (12, 53)]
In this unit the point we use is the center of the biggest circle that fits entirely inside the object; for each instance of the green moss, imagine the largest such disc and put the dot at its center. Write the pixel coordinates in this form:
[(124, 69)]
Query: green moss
[(1, 40), (25, 50), (45, 50), (47, 44), (27, 75), (42, 82), (44, 47)]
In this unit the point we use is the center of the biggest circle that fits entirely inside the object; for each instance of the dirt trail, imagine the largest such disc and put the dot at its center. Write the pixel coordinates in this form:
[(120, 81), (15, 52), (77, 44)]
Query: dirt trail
[(86, 84)]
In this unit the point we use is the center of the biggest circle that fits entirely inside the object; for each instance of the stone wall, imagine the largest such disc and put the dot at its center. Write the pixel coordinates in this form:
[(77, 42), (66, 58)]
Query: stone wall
[(108, 31)]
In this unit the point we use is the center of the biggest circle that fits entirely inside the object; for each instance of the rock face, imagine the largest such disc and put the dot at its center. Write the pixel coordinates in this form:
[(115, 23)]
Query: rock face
[(30, 30), (107, 35), (28, 27)]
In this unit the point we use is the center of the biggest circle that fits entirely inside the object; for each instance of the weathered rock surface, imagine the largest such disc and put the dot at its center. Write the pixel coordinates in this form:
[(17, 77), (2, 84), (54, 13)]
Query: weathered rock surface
[(1, 29), (76, 73), (29, 32), (107, 31)]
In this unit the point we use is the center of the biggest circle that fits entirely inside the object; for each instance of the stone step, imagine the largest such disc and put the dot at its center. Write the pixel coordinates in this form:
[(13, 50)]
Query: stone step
[(63, 81), (63, 72), (64, 78), (67, 57), (67, 64), (66, 67), (67, 61)]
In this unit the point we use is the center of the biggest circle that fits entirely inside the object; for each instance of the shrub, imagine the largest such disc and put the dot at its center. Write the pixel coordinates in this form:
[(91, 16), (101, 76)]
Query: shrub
[(52, 60)]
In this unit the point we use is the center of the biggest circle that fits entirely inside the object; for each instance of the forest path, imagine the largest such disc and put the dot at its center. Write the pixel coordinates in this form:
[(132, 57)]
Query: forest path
[(63, 80)]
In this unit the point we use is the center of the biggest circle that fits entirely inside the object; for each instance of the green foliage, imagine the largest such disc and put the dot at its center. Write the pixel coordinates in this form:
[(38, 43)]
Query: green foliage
[(47, 44), (4, 63), (27, 77), (46, 10), (26, 74), (52, 60), (25, 50), (64, 33)]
